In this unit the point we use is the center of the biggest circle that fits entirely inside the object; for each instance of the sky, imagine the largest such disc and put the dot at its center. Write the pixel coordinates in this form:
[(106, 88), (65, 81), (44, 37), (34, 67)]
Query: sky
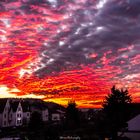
[(58, 50)]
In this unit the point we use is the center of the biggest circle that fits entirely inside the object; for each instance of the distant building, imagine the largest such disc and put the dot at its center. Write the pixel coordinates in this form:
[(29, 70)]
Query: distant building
[(57, 115), (15, 114), (18, 112), (4, 112), (133, 129), (45, 114), (11, 113)]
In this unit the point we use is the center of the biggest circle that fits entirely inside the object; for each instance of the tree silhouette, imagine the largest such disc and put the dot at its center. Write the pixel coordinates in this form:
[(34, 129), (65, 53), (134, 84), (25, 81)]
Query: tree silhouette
[(115, 108), (117, 97), (72, 115), (35, 121)]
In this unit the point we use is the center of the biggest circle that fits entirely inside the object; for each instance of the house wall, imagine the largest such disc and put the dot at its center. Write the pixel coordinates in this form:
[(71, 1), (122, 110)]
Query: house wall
[(45, 115), (10, 117), (134, 124), (19, 116), (13, 122), (55, 117), (5, 115), (133, 129), (26, 117)]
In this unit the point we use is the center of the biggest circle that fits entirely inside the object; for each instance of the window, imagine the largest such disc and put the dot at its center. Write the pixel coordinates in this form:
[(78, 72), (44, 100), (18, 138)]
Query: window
[(19, 115), (18, 121)]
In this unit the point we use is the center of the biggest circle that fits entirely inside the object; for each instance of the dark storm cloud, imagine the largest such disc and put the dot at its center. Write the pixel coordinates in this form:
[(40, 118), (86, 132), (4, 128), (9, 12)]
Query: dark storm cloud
[(92, 30), (92, 33), (128, 8)]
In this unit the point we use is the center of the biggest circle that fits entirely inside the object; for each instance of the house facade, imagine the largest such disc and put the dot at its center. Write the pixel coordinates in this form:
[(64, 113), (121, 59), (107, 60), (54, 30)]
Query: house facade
[(13, 113), (133, 129), (18, 112), (45, 115), (4, 113)]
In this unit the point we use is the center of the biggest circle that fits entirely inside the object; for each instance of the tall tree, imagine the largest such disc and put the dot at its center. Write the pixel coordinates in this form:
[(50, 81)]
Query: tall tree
[(35, 121), (117, 97), (115, 108), (72, 115)]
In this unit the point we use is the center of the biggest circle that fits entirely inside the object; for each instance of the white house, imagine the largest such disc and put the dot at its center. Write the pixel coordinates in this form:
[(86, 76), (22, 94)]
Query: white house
[(4, 110), (133, 129), (11, 113), (16, 114)]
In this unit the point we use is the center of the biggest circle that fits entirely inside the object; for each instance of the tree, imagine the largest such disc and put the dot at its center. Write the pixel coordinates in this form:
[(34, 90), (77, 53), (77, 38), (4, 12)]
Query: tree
[(72, 115), (115, 108), (35, 121), (117, 97)]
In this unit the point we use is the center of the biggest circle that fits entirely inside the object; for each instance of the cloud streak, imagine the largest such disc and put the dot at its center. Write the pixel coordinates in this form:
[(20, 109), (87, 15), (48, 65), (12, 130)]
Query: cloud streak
[(85, 45)]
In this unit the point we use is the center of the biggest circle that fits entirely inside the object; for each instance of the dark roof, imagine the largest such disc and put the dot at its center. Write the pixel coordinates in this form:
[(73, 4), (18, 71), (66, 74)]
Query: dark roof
[(14, 105), (52, 111), (25, 106), (2, 104), (39, 105)]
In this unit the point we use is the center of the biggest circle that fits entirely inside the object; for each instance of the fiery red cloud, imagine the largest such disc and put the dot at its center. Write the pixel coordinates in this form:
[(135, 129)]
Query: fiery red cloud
[(58, 50)]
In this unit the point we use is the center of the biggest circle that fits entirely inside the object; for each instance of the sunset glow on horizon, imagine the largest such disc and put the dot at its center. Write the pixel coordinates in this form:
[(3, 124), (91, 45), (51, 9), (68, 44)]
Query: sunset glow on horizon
[(57, 50)]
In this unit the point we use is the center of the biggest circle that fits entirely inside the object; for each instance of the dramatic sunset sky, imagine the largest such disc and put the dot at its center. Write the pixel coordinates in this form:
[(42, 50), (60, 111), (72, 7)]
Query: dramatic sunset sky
[(58, 50)]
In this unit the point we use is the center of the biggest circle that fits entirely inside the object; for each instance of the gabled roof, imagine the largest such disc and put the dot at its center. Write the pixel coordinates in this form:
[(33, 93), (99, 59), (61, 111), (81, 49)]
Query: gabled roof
[(14, 105), (133, 124), (137, 118), (2, 104)]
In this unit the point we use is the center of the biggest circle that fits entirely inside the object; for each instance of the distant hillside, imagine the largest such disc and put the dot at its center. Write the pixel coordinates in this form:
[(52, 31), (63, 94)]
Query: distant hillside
[(38, 102)]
